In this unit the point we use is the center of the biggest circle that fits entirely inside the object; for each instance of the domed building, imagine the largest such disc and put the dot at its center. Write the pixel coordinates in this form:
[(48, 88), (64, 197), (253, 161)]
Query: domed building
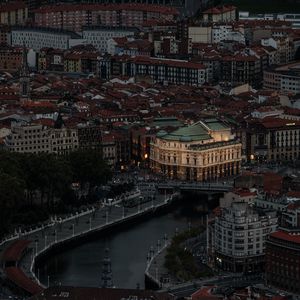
[(206, 150)]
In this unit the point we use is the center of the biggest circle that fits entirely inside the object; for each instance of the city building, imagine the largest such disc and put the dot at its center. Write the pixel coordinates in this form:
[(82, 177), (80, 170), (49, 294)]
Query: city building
[(238, 195), (239, 69), (129, 46), (98, 36), (51, 59), (222, 13), (278, 203), (294, 18), (75, 16), (24, 80), (10, 58), (166, 71), (81, 59), (284, 78), (36, 138), (283, 261), (5, 34), (271, 139), (89, 137), (290, 218), (200, 34), (239, 235), (109, 149), (63, 141), (203, 151), (13, 13), (38, 38)]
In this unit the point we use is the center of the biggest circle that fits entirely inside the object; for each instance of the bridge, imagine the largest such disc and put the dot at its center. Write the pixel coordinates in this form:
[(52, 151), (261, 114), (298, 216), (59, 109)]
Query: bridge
[(212, 187)]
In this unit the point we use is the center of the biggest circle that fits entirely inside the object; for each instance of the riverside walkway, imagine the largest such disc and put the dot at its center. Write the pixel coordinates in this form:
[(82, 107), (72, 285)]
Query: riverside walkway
[(197, 186), (73, 227)]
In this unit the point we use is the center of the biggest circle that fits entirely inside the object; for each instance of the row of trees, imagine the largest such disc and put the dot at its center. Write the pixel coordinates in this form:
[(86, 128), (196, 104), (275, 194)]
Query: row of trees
[(179, 261), (34, 185)]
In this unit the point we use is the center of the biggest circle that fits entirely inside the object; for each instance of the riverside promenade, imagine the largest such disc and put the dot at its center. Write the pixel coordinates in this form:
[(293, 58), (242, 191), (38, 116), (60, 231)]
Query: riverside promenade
[(62, 232)]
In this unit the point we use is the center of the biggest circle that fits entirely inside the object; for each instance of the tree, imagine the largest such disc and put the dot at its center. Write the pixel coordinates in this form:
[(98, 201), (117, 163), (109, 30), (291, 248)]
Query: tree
[(12, 192), (88, 168)]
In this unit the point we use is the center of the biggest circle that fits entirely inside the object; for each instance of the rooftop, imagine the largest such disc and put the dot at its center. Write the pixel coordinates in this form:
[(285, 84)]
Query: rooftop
[(192, 133), (104, 7), (220, 9), (87, 293), (283, 235)]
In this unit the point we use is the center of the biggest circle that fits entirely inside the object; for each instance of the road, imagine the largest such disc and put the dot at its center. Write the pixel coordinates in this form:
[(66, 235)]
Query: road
[(80, 224), (237, 280)]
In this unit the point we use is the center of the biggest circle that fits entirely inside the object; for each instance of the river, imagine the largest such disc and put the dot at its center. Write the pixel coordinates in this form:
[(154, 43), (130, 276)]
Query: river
[(81, 265)]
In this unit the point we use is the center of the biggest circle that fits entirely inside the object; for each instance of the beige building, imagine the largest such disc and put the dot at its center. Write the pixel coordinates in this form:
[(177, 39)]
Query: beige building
[(109, 149), (201, 34), (36, 138), (63, 140), (238, 237), (15, 13), (284, 78), (271, 139), (206, 150)]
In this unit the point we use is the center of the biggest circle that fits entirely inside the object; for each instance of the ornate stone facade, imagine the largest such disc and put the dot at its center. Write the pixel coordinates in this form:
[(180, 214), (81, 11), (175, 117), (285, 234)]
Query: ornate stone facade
[(206, 150)]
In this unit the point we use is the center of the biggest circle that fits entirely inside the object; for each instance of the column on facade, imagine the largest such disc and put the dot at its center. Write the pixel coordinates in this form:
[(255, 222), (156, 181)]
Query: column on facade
[(204, 172), (200, 174)]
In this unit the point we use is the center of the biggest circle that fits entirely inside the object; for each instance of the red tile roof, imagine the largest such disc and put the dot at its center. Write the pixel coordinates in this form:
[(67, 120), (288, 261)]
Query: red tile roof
[(277, 122), (17, 276), (219, 9), (272, 182), (15, 251), (283, 235), (104, 7), (170, 62), (85, 293), (11, 6), (244, 192), (295, 194)]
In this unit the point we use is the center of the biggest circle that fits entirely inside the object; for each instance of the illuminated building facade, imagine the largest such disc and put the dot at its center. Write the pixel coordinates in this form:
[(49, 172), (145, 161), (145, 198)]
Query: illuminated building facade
[(206, 150)]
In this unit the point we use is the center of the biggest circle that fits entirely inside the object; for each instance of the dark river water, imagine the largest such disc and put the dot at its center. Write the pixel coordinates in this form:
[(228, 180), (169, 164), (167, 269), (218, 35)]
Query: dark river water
[(81, 265)]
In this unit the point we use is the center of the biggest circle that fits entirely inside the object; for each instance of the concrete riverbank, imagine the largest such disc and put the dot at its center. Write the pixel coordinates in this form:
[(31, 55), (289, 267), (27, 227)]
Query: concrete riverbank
[(60, 233)]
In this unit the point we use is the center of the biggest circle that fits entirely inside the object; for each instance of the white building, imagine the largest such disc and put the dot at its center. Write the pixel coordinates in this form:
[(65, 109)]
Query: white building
[(37, 38), (239, 234), (292, 17), (238, 195), (36, 138), (98, 36)]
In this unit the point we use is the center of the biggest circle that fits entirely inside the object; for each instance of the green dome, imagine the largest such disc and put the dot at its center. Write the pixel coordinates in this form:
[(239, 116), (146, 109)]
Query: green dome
[(185, 138), (161, 133)]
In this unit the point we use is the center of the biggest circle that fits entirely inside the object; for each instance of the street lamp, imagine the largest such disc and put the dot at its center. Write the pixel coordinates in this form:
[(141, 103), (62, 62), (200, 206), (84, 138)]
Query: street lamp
[(166, 239), (158, 245), (106, 216)]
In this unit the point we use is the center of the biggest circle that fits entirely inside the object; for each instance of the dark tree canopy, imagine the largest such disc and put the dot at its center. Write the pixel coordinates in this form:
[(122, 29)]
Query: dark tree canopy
[(34, 185)]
